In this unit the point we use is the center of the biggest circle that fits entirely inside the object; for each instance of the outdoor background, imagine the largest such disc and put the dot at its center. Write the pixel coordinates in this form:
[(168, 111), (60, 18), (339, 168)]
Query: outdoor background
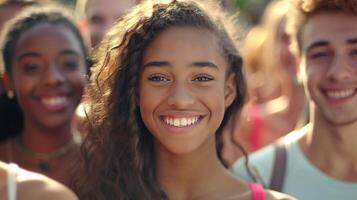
[(250, 10)]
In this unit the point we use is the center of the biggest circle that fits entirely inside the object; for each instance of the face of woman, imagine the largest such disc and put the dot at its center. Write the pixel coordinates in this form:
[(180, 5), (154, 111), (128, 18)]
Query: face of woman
[(184, 89), (48, 69), (284, 53)]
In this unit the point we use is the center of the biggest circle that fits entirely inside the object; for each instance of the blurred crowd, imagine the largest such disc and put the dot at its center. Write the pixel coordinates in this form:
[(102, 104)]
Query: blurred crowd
[(98, 99)]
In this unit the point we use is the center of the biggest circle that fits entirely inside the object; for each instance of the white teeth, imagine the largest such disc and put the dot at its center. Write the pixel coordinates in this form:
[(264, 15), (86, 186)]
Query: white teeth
[(183, 122), (180, 122), (54, 101), (340, 94), (189, 121), (176, 122)]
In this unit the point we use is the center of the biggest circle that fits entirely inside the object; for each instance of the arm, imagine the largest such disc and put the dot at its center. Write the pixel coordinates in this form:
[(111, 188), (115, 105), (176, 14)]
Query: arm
[(273, 195), (33, 186)]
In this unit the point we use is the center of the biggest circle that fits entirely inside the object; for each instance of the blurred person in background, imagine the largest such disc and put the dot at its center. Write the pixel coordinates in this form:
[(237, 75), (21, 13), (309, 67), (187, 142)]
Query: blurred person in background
[(95, 18), (277, 104), (44, 60), (99, 15)]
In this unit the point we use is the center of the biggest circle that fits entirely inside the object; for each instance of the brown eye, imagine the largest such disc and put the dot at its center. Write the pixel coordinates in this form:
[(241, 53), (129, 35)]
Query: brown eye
[(70, 65), (69, 62), (203, 78), (320, 55), (31, 67), (158, 78), (353, 52)]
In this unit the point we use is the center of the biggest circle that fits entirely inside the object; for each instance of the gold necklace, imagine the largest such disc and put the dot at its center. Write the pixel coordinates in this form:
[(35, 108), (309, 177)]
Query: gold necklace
[(44, 158)]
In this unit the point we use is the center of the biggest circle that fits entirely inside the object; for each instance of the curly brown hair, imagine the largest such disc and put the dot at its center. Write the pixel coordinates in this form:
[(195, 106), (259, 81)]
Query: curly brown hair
[(118, 154), (301, 10)]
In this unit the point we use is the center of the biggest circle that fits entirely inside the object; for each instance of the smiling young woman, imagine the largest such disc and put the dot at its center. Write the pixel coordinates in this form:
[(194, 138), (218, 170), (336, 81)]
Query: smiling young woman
[(167, 77), (44, 59)]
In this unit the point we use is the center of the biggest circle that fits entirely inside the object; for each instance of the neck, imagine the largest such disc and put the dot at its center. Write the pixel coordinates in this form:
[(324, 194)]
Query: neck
[(332, 148), (50, 139), (189, 175), (339, 139)]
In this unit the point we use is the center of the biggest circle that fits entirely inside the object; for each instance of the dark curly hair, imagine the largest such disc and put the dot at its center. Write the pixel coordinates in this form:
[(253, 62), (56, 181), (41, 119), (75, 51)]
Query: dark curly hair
[(118, 154), (11, 116)]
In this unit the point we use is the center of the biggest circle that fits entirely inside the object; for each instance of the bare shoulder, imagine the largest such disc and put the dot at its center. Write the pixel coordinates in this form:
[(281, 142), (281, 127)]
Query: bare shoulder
[(273, 195), (36, 186)]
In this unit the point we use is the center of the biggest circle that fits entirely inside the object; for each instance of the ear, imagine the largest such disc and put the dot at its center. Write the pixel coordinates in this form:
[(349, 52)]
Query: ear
[(230, 91), (5, 79)]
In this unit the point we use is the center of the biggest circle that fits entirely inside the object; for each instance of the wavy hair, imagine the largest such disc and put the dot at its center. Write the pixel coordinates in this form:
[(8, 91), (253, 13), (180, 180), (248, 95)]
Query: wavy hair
[(301, 10), (118, 154)]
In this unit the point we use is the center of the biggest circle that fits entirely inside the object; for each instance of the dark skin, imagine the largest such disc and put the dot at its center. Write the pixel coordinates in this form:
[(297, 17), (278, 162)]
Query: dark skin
[(6, 13), (48, 84)]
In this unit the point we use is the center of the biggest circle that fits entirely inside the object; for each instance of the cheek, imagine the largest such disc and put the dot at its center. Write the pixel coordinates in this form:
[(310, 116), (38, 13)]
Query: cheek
[(147, 105), (23, 91), (78, 83), (315, 73), (213, 98), (313, 78), (147, 101), (23, 85)]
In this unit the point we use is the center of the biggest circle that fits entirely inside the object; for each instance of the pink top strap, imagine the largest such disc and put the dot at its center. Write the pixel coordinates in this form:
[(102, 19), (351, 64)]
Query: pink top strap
[(258, 192), (256, 127)]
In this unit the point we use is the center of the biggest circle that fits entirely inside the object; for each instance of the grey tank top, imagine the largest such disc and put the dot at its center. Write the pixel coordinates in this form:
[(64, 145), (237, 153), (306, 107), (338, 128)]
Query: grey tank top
[(12, 181)]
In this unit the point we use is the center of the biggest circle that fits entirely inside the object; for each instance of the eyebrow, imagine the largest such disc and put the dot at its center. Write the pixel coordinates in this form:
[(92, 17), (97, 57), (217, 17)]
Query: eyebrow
[(194, 64), (71, 52), (29, 54), (34, 54), (325, 43), (157, 64), (317, 44), (205, 64)]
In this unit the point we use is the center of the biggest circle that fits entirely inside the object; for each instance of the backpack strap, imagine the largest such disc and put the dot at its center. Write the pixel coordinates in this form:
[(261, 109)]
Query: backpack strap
[(278, 175)]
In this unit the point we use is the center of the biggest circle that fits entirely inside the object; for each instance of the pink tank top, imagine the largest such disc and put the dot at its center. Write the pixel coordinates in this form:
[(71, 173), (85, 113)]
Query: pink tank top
[(256, 127), (258, 192)]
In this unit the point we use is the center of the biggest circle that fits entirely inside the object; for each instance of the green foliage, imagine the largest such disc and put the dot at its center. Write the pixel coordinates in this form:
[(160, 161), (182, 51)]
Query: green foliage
[(242, 4)]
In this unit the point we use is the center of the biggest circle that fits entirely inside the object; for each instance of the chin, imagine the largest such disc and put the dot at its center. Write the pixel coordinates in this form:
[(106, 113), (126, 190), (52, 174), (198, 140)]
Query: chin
[(342, 121), (178, 149)]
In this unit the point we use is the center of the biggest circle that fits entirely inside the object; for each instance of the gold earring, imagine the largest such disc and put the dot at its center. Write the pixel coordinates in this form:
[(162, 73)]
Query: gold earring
[(10, 94)]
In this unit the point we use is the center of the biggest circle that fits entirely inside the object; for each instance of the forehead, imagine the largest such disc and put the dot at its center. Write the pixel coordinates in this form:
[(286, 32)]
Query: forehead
[(108, 7), (335, 28), (48, 38), (186, 44)]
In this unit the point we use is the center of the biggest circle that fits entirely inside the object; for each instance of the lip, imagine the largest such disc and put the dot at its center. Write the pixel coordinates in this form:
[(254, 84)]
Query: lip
[(339, 95), (55, 102), (190, 115)]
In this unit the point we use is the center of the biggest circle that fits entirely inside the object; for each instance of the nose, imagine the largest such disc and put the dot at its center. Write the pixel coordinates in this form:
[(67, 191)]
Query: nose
[(53, 75), (181, 97), (339, 69)]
